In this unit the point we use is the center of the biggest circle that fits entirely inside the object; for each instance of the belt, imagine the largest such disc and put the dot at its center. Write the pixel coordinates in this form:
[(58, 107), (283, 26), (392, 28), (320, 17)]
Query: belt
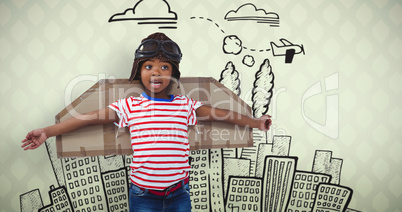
[(167, 190)]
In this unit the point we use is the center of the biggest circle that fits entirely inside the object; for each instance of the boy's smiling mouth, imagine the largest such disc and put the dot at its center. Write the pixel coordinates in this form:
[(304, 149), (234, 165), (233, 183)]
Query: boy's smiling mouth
[(156, 83)]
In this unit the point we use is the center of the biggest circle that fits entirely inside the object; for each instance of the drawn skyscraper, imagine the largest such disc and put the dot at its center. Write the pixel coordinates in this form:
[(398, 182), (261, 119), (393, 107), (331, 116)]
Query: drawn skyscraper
[(31, 201), (324, 163), (250, 153), (199, 188), (116, 187), (55, 161), (280, 146), (84, 184), (332, 197), (242, 169), (59, 199), (277, 182), (244, 194), (304, 190), (216, 180)]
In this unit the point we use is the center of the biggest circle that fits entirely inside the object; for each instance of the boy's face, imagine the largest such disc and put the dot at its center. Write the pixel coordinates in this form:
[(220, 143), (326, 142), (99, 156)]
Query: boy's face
[(156, 76)]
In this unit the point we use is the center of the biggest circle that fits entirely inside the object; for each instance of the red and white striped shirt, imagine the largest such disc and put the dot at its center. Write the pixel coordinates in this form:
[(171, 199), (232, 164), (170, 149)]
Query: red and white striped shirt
[(158, 137)]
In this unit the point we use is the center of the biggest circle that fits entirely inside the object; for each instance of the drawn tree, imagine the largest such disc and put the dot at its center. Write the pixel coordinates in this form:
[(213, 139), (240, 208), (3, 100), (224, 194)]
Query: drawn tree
[(230, 78), (262, 90)]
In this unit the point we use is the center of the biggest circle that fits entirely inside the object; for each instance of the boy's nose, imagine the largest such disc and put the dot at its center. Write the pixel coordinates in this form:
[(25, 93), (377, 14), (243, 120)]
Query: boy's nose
[(156, 72)]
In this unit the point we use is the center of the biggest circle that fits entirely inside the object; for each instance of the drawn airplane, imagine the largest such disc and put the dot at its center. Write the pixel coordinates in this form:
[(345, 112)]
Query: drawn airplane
[(288, 50)]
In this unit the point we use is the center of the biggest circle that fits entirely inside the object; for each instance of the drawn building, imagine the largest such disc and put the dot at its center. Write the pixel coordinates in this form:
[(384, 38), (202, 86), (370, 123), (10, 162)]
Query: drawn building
[(304, 189), (324, 163), (55, 161), (127, 161), (277, 182), (244, 194), (280, 146), (242, 169), (199, 185), (31, 201), (116, 188), (59, 201), (251, 153), (332, 197), (216, 180), (230, 152), (84, 184)]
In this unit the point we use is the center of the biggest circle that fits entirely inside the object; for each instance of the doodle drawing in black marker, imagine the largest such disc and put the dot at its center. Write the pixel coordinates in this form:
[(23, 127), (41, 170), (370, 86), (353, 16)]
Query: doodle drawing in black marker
[(230, 78), (248, 60), (288, 49), (262, 90), (249, 12), (156, 12), (232, 45)]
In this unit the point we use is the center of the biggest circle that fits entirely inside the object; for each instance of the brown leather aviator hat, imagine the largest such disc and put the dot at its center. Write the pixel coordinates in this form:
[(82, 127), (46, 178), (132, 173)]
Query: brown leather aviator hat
[(156, 46)]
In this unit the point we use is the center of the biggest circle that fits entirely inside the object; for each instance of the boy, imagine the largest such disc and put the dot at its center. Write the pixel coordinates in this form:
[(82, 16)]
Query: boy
[(158, 125)]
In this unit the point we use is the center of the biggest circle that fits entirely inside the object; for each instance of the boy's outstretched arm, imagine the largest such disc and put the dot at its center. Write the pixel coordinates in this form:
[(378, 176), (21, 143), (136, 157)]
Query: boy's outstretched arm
[(37, 137), (207, 113)]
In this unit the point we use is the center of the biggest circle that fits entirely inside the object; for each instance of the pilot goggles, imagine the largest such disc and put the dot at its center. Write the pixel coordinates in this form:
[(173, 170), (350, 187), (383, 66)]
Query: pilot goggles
[(151, 47)]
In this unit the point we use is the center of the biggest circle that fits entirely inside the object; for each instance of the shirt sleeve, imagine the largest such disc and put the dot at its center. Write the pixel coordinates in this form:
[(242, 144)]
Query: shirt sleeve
[(120, 106), (193, 104)]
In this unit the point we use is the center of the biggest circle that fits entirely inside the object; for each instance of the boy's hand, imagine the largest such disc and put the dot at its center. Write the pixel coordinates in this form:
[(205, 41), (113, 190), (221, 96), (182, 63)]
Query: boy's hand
[(265, 122), (34, 139)]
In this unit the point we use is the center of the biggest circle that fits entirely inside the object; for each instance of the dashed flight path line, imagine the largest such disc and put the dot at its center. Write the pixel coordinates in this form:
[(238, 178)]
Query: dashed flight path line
[(217, 25), (210, 20)]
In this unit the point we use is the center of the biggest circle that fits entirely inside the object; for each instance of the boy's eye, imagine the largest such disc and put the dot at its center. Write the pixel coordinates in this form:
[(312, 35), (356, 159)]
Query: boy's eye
[(148, 67), (165, 67)]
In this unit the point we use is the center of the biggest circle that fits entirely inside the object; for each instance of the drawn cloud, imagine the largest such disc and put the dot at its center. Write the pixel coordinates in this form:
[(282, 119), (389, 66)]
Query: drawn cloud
[(146, 10), (250, 12), (232, 45)]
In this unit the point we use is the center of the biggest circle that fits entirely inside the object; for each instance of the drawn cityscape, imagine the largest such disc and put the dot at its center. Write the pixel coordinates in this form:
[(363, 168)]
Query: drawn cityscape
[(260, 178)]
